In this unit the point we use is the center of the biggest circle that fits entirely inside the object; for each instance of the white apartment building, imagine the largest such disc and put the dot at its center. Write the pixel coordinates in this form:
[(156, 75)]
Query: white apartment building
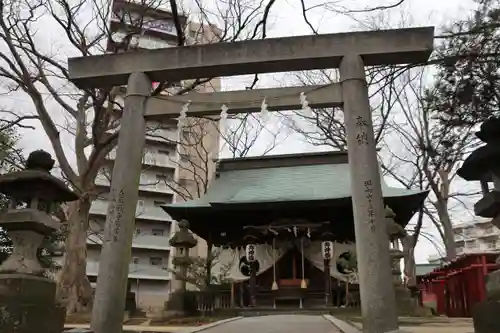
[(149, 273), (150, 276), (479, 236)]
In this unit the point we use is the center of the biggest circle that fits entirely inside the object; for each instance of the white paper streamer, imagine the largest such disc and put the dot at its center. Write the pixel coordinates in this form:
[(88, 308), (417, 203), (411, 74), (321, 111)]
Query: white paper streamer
[(183, 115), (223, 118), (305, 105), (264, 112)]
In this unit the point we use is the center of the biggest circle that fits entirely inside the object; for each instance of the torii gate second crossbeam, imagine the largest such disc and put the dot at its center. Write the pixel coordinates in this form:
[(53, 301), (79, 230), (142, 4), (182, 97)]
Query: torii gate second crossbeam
[(350, 52)]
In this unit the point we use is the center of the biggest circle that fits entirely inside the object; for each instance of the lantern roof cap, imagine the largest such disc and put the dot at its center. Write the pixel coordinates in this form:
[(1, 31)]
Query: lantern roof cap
[(489, 130), (29, 219), (183, 238), (36, 181), (393, 229), (482, 161)]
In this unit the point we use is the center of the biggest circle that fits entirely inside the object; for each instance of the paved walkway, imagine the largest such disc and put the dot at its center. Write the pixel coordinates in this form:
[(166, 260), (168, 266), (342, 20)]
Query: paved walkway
[(276, 324), (432, 325)]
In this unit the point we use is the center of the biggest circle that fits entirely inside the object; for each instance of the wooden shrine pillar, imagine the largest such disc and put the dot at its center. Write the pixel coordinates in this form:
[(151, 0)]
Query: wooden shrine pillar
[(232, 301), (328, 282), (253, 284)]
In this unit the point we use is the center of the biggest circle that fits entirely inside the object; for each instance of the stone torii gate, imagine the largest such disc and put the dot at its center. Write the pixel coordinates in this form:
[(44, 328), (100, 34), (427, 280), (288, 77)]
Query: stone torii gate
[(350, 52)]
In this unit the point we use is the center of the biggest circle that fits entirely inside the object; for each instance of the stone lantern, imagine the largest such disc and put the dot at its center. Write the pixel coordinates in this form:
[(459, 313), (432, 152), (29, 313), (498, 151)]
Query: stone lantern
[(483, 165), (27, 297), (395, 231), (183, 241)]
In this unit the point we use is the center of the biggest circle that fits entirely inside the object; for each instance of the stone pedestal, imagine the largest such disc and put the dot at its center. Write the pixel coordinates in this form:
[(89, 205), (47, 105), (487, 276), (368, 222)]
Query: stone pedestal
[(485, 314), (405, 304), (27, 305)]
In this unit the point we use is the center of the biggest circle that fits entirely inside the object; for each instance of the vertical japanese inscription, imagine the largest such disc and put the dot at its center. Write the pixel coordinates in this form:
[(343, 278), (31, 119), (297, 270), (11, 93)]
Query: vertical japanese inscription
[(119, 213), (361, 133), (369, 197)]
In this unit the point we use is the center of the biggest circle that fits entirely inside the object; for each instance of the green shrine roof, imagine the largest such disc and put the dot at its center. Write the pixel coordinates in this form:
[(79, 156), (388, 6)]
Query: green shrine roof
[(302, 182), (258, 190)]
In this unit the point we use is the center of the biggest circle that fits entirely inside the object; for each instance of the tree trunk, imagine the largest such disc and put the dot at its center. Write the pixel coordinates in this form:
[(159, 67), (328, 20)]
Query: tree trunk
[(444, 215), (449, 237), (74, 289), (408, 243)]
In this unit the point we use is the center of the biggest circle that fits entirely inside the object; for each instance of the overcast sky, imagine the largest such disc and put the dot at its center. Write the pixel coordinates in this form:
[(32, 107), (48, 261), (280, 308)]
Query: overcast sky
[(286, 20)]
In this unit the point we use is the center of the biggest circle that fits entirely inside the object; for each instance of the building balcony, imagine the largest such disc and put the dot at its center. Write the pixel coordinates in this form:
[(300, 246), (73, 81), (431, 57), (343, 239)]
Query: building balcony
[(150, 242), (154, 133), (136, 271), (470, 236), (135, 19), (153, 159), (492, 232), (145, 184), (142, 42), (143, 211)]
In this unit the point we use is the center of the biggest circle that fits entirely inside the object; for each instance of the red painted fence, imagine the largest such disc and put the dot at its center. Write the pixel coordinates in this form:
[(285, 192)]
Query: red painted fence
[(456, 287)]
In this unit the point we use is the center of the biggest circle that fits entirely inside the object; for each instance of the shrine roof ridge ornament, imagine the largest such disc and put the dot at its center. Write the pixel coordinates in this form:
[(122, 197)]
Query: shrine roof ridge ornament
[(382, 47)]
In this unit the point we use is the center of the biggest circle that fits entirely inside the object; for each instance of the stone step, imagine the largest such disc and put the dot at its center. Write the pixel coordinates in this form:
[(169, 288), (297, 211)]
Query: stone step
[(282, 311)]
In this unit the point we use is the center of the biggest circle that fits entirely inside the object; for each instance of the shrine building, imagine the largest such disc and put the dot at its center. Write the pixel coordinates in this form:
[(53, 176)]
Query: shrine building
[(282, 223)]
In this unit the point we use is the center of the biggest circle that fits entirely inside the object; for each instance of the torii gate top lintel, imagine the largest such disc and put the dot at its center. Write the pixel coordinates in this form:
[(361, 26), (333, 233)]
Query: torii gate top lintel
[(382, 47)]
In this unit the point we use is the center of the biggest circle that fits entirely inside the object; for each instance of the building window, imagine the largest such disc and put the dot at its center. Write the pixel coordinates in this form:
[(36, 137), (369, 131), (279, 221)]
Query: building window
[(164, 152), (490, 245), (161, 178), (469, 232), (159, 203), (137, 231), (156, 261), (489, 230), (470, 244), (135, 260), (157, 232), (184, 157)]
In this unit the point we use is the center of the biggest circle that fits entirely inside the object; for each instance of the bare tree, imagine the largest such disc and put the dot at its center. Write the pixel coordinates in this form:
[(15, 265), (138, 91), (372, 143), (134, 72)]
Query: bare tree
[(325, 127), (32, 67), (427, 155)]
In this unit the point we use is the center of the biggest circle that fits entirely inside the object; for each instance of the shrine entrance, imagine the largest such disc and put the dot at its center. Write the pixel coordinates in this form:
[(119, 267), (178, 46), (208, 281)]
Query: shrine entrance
[(290, 271)]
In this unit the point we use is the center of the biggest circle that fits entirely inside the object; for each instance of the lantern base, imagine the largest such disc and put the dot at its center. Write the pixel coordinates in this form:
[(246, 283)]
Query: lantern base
[(485, 317), (28, 305)]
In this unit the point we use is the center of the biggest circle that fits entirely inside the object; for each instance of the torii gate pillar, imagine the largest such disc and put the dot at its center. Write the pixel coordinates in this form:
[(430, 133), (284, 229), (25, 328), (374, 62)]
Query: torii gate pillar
[(378, 303)]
